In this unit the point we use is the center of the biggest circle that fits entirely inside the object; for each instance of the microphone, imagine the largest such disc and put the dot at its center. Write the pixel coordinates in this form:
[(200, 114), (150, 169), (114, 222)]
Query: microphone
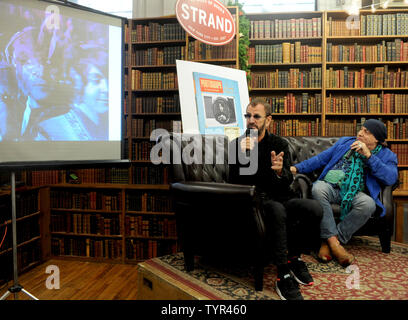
[(247, 134), (349, 154)]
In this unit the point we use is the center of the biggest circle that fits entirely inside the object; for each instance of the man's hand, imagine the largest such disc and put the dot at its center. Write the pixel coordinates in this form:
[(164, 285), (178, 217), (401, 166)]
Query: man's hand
[(277, 162), (247, 144), (293, 169), (361, 148)]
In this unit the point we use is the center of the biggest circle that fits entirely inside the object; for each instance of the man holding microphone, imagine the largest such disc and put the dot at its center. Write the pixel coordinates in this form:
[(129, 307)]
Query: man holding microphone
[(291, 224)]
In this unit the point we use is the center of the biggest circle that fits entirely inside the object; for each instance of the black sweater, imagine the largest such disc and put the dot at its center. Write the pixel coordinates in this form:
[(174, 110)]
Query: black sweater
[(265, 179)]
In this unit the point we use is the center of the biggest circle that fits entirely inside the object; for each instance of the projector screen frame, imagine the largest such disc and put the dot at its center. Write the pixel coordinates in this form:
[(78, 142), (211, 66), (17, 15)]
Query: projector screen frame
[(43, 164)]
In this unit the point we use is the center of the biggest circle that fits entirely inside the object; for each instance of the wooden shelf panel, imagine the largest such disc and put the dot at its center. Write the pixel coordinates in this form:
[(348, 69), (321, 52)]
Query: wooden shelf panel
[(285, 89), (375, 63), (267, 65), (114, 186), (85, 210), (151, 238), (296, 114), (21, 244), (89, 235), (152, 66), (366, 89), (150, 213), (368, 114), (8, 222)]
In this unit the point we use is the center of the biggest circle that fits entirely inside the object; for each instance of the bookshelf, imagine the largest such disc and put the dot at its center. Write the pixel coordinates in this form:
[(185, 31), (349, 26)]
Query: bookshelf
[(32, 231), (363, 73), (371, 61), (287, 57), (151, 92), (120, 223)]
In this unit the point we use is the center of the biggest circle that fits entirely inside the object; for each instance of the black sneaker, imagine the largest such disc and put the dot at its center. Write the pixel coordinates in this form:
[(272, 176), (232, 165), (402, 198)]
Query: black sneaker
[(287, 288), (300, 272)]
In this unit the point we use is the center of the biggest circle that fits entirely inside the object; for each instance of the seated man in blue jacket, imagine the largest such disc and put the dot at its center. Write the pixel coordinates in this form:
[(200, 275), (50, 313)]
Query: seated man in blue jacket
[(354, 170)]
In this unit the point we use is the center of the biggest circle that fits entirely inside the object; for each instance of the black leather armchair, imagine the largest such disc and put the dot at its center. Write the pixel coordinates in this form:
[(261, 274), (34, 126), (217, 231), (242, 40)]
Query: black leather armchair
[(302, 148), (215, 219)]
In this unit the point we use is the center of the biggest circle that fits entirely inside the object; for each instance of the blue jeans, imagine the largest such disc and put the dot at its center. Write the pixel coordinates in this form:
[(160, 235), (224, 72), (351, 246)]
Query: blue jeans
[(362, 208)]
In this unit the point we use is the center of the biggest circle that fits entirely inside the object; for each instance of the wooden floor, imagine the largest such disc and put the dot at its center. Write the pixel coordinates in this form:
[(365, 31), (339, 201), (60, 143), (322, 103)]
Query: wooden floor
[(80, 281)]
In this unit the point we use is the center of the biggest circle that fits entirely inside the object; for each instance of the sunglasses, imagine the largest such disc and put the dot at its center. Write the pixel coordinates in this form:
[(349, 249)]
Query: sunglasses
[(255, 116)]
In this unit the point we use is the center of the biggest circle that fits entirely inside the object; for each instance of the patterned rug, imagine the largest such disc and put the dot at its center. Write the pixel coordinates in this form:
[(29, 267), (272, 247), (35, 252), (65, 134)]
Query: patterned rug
[(373, 276)]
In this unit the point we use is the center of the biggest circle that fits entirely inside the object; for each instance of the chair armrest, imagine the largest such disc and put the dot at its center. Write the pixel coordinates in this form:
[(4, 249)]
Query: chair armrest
[(302, 185), (214, 188), (387, 200)]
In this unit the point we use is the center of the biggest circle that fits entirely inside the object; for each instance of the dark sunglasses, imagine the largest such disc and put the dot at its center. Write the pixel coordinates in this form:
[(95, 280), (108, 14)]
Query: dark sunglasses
[(256, 116)]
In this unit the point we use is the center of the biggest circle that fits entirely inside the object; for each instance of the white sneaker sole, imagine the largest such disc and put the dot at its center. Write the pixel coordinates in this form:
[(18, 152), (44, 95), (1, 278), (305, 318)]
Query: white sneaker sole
[(298, 280), (278, 291)]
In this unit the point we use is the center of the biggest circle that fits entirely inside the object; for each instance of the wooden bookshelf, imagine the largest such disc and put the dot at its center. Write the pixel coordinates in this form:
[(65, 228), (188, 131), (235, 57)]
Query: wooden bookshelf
[(103, 222), (32, 236), (286, 56)]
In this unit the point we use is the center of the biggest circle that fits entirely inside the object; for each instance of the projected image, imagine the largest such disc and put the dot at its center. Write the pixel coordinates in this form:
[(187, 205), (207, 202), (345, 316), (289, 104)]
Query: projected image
[(54, 76)]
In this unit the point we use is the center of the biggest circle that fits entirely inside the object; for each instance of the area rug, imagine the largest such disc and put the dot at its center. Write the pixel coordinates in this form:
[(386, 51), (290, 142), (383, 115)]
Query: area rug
[(373, 276)]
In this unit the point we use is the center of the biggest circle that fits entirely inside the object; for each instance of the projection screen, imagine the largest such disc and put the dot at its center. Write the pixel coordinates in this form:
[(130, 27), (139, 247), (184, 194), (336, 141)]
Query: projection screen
[(60, 83)]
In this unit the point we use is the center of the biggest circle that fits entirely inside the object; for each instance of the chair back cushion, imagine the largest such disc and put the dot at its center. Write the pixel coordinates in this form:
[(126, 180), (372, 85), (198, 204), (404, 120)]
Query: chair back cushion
[(303, 148), (199, 157)]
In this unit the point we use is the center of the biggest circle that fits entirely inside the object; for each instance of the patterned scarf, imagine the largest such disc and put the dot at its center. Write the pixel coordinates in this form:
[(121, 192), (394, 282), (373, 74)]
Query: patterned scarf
[(353, 181)]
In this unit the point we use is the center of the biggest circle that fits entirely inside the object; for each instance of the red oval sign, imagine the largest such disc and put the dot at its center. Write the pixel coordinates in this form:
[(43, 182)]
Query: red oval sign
[(208, 21)]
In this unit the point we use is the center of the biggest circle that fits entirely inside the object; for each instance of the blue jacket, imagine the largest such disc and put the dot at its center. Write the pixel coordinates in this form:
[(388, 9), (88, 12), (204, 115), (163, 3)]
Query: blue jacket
[(381, 168)]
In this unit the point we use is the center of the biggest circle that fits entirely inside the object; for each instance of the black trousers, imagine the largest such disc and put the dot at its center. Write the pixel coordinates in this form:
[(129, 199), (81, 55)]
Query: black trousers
[(292, 227)]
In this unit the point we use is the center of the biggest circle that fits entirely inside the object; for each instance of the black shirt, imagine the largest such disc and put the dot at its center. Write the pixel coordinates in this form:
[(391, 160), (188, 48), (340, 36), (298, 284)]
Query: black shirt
[(265, 179)]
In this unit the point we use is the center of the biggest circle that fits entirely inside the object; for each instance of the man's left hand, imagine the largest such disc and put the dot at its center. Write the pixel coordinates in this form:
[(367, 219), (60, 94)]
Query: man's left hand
[(277, 162), (361, 148)]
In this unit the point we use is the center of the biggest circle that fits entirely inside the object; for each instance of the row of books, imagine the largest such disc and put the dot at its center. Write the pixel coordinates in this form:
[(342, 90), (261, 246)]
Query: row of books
[(26, 230), (284, 53), (397, 128), (89, 200), (150, 226), (369, 25), (86, 247), (285, 28), (200, 51), (291, 103), (403, 179), (141, 150), (92, 175), (170, 104), (294, 127), (148, 202), (150, 175), (144, 127), (86, 223), (340, 128), (396, 50), (154, 80), (402, 152), (137, 249), (294, 78), (380, 77), (26, 204), (370, 103), (157, 56), (26, 256), (154, 31)]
